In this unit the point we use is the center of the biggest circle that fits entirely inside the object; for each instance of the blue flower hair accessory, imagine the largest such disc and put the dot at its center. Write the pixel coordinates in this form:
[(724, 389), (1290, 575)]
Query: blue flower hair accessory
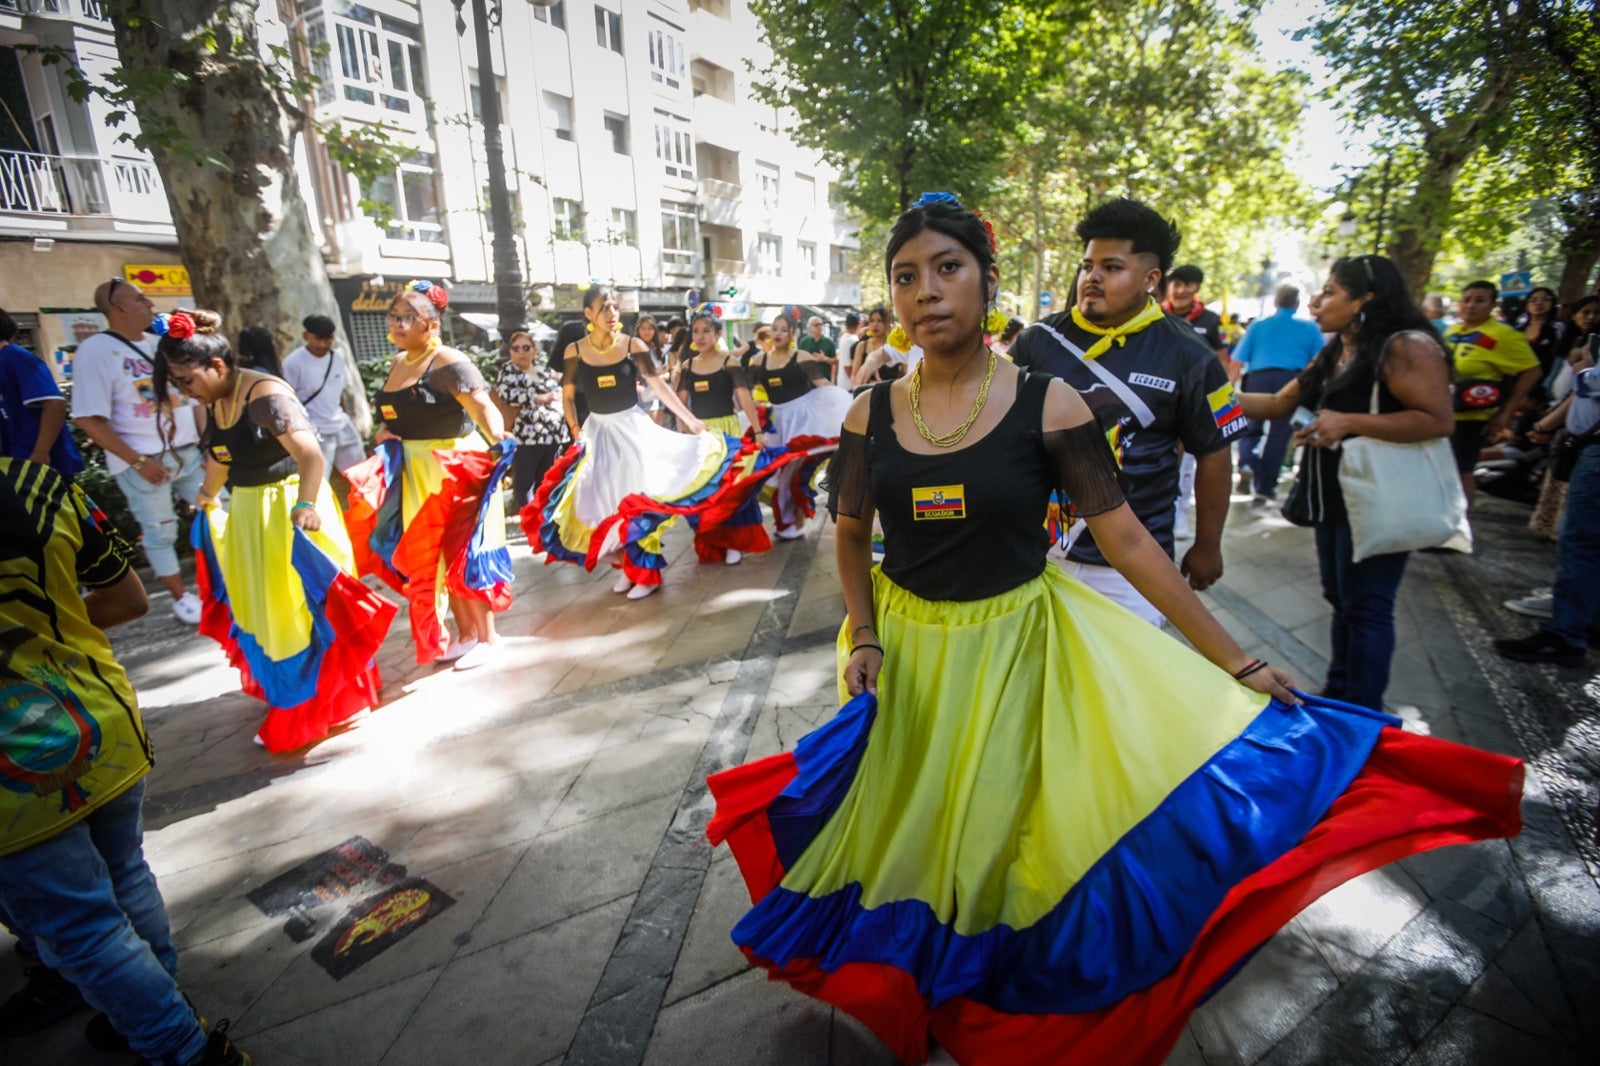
[(158, 325), (929, 198), (437, 295)]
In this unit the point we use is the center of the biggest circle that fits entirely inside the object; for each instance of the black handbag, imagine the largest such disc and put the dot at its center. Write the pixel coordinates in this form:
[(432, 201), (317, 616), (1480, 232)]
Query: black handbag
[(1297, 502)]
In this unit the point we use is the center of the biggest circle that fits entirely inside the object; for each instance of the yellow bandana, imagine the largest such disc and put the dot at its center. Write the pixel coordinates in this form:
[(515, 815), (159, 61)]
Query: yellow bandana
[(1116, 334)]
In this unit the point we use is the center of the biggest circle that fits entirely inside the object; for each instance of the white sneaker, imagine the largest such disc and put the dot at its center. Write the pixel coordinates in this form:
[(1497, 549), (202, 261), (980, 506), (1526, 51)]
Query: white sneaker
[(187, 609), (792, 533), (457, 651), (639, 592), (623, 583), (1533, 606), (257, 741), (475, 656), (733, 557)]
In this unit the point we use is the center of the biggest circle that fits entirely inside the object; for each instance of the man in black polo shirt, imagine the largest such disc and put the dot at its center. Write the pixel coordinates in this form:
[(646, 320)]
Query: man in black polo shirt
[(1152, 384)]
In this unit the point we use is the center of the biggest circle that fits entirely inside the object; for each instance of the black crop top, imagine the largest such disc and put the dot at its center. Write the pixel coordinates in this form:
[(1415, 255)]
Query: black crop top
[(249, 448), (790, 381), (711, 395), (968, 523), (428, 409), (609, 387)]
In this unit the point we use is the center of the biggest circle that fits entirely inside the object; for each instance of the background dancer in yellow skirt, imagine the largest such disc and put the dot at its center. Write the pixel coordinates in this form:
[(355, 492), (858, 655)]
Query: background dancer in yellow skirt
[(1042, 831), (275, 570), (426, 512)]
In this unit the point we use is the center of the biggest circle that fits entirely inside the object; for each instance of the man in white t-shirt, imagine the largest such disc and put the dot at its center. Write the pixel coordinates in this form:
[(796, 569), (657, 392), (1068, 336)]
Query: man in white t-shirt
[(113, 402), (317, 375), (847, 345)]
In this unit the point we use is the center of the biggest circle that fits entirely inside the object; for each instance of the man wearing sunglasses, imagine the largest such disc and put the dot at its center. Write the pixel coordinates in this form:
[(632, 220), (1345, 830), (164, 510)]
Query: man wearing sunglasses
[(114, 403)]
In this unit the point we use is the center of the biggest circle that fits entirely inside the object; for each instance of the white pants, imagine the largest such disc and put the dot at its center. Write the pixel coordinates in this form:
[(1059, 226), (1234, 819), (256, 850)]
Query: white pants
[(1110, 583), (1180, 522), (341, 446)]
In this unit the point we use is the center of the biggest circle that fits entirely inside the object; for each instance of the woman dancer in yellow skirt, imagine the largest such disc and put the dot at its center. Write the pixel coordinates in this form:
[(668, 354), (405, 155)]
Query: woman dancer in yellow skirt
[(275, 569), (425, 512), (1041, 831)]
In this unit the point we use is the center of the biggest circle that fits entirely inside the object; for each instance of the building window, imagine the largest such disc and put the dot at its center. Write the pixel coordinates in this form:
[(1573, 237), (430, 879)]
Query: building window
[(567, 220), (407, 201), (475, 94), (669, 64), (558, 115), (555, 14), (677, 236), (617, 126), (369, 59), (808, 258), (624, 227), (806, 193), (769, 254), (608, 28), (841, 261), (674, 145), (767, 174)]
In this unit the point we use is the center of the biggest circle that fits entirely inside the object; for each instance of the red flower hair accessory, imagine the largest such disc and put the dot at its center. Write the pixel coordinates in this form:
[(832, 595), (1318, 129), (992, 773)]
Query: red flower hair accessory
[(180, 326), (437, 295), (993, 248)]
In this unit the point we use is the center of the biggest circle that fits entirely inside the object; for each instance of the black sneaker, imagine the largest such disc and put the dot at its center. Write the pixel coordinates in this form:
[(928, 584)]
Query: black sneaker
[(220, 1050), (1540, 647), (45, 998), (103, 1035)]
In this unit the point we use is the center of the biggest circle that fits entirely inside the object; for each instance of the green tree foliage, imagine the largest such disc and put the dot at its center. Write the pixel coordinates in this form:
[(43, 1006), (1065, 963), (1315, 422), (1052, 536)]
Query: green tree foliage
[(1167, 102), (1463, 95), (903, 96)]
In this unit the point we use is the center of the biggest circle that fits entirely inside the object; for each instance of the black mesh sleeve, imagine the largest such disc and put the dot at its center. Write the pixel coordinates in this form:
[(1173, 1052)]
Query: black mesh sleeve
[(457, 379), (736, 374), (816, 370), (278, 414), (646, 362), (1085, 470), (848, 476)]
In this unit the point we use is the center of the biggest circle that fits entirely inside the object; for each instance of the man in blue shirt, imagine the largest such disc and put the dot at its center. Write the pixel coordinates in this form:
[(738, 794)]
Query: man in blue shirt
[(33, 413), (1274, 351)]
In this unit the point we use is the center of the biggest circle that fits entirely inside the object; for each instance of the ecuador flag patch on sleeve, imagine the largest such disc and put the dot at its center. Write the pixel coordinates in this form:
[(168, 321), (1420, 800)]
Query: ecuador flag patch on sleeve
[(1226, 410)]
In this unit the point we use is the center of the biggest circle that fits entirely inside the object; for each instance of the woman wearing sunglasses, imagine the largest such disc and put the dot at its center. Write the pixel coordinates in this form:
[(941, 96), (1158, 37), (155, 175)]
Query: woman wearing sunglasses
[(528, 393)]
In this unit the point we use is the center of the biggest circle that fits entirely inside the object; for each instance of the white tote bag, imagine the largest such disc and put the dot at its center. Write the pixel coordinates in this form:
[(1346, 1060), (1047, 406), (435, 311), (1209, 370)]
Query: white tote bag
[(1402, 497)]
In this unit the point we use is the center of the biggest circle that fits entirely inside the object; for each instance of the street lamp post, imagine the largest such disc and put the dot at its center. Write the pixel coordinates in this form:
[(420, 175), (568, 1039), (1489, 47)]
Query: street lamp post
[(510, 304)]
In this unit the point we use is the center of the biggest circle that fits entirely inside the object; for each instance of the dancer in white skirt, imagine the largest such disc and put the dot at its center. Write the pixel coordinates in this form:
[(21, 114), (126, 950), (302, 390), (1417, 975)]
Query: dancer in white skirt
[(599, 502), (807, 411)]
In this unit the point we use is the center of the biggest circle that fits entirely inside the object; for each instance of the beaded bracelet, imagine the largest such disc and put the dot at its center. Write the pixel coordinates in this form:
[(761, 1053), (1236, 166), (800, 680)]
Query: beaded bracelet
[(874, 647), (1253, 666), (858, 629), (302, 503)]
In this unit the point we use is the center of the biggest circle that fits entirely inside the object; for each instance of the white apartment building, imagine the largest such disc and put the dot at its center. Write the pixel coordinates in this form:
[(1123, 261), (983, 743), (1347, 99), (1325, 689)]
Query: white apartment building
[(635, 151)]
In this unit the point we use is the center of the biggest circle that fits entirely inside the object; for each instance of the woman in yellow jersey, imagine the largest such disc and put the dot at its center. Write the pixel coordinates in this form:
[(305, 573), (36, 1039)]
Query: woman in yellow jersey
[(275, 570), (1041, 831), (425, 512)]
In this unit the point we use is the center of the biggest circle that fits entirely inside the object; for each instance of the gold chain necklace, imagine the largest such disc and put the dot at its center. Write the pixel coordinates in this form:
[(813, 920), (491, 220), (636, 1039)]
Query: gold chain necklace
[(233, 405), (608, 349), (952, 438)]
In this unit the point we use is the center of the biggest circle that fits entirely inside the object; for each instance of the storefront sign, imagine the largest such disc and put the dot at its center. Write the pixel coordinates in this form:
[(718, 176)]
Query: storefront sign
[(375, 296), (159, 279)]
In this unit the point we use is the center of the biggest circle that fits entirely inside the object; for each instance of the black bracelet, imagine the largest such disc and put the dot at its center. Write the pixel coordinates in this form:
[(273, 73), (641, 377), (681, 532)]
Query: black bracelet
[(1255, 666), (874, 647)]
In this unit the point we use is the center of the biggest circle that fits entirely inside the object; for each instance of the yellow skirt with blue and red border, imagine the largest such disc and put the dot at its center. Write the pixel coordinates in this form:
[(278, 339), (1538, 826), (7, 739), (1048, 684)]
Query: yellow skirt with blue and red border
[(1056, 830), (426, 516), (286, 608)]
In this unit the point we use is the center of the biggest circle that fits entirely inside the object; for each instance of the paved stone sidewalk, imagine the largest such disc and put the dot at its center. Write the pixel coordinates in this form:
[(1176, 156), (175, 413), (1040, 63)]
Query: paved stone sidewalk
[(558, 903)]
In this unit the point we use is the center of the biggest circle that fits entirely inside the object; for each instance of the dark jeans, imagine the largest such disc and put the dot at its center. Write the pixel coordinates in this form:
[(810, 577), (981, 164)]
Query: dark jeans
[(528, 467), (1362, 595), (1265, 458), (1578, 554)]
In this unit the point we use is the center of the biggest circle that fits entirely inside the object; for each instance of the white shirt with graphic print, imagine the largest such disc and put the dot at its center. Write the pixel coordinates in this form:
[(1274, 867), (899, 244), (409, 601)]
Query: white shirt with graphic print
[(111, 379)]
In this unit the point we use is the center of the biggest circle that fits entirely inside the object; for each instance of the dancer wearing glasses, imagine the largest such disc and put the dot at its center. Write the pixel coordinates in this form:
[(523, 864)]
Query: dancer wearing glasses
[(424, 512)]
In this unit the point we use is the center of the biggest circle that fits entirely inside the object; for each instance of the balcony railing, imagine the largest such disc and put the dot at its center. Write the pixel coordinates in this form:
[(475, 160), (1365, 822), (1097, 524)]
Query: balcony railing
[(39, 184), (93, 10)]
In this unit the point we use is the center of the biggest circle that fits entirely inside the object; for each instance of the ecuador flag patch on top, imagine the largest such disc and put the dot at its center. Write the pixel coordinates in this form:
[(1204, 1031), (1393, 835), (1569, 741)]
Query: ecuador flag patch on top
[(939, 501), (1227, 411)]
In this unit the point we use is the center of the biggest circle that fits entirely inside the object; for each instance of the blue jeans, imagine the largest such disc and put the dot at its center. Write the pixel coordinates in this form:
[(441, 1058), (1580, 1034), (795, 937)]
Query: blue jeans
[(1578, 555), (1264, 458), (1362, 595), (152, 504), (94, 913)]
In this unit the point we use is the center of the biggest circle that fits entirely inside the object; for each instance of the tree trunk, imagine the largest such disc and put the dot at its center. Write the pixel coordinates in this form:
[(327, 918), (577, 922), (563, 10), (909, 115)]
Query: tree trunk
[(243, 230), (1425, 215), (1580, 249)]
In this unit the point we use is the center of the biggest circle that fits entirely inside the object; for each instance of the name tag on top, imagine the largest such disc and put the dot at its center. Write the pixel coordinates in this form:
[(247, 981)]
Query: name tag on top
[(702, 386), (387, 411), (606, 381)]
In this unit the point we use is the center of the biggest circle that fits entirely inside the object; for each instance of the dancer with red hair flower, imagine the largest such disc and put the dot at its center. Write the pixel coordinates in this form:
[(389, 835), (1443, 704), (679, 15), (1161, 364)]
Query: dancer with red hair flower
[(425, 512), (276, 570)]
